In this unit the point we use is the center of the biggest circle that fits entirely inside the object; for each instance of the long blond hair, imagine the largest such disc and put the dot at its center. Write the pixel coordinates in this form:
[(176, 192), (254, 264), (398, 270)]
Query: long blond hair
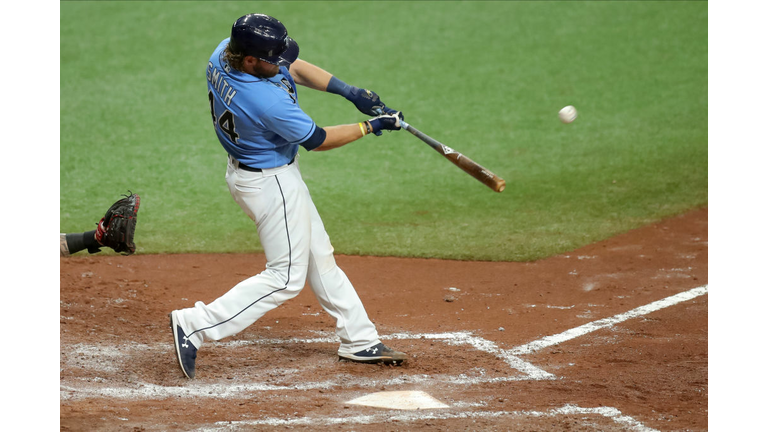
[(235, 60)]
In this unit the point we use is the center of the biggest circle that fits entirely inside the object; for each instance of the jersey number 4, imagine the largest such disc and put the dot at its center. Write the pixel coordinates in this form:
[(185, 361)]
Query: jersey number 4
[(226, 121)]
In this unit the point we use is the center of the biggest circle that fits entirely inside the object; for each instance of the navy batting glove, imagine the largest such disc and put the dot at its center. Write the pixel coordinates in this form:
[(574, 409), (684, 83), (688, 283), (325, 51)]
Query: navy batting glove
[(386, 122), (366, 101), (388, 111)]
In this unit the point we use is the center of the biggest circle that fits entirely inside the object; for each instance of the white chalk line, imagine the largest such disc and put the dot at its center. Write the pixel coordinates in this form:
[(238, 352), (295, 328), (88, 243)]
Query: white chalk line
[(452, 338), (107, 354), (608, 322), (197, 389), (484, 345), (608, 412)]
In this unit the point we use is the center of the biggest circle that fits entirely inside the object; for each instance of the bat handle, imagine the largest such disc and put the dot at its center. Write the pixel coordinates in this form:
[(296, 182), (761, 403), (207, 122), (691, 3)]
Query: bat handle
[(404, 124)]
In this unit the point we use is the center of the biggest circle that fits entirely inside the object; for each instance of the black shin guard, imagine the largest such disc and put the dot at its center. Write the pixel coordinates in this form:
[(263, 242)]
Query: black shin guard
[(85, 240)]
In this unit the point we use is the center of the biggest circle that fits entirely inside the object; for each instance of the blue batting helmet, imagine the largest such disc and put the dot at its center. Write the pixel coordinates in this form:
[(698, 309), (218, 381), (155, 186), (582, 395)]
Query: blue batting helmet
[(265, 38)]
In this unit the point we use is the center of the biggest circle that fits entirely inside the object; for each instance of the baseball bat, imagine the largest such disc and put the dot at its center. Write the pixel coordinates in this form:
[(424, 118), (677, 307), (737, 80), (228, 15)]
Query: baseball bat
[(469, 166)]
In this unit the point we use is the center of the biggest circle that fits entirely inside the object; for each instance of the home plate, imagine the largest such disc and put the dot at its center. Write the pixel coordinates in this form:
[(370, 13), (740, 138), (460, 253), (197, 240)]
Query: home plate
[(405, 400)]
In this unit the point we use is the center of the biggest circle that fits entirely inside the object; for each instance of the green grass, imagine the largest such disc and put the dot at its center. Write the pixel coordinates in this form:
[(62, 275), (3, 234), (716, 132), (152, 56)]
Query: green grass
[(486, 78)]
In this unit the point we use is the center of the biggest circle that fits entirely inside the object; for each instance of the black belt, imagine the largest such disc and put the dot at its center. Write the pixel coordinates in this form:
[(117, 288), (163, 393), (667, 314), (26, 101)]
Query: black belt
[(240, 165)]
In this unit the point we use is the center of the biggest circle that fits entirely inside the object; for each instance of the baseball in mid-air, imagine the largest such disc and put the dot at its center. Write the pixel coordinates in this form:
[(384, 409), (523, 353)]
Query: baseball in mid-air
[(568, 114)]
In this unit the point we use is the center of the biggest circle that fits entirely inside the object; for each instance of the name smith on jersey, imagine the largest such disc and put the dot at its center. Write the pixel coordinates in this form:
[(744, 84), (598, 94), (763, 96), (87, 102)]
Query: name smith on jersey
[(222, 87)]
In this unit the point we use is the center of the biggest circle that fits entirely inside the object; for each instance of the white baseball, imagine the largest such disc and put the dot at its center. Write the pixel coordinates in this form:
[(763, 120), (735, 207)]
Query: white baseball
[(568, 114)]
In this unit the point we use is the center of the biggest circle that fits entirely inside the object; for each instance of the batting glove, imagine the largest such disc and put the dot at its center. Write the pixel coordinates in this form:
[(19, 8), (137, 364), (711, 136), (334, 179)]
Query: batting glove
[(368, 102), (386, 122)]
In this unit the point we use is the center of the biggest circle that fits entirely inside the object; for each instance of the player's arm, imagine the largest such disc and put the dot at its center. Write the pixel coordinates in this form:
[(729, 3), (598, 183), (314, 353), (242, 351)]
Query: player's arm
[(295, 126), (337, 136), (308, 75)]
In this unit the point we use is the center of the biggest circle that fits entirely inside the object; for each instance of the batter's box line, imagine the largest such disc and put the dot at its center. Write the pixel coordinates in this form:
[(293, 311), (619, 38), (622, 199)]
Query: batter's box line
[(484, 345), (573, 333), (452, 338), (609, 412), (70, 391), (511, 356)]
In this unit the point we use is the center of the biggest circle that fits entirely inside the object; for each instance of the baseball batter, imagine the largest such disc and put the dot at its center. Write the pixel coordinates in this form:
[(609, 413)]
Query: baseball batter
[(254, 103)]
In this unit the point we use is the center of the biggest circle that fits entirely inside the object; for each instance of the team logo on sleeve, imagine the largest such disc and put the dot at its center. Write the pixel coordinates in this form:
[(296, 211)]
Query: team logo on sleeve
[(287, 86)]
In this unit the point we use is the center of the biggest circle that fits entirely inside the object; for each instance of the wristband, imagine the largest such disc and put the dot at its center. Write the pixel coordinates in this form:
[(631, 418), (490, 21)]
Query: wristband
[(339, 87), (362, 129), (368, 127)]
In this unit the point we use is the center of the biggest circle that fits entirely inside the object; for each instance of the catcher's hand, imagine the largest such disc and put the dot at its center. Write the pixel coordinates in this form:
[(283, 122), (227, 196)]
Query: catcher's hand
[(117, 227)]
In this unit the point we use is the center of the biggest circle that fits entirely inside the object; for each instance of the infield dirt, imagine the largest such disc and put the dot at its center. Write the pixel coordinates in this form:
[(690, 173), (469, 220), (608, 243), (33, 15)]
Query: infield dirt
[(118, 371)]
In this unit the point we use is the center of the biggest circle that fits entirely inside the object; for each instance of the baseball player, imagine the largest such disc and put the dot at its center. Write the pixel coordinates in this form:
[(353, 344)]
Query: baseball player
[(254, 103), (115, 230)]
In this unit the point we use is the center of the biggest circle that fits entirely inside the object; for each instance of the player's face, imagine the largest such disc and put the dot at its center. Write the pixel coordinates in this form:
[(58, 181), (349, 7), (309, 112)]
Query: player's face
[(263, 69), (259, 68)]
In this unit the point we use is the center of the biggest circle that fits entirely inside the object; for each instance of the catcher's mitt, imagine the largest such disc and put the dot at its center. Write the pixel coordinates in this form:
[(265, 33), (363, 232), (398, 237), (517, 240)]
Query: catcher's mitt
[(117, 227)]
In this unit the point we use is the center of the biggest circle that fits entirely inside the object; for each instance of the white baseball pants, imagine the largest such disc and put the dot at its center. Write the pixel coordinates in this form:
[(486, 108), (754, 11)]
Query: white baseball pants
[(296, 247)]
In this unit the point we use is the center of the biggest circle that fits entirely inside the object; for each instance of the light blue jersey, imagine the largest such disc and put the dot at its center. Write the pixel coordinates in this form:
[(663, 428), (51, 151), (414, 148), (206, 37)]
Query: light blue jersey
[(257, 120)]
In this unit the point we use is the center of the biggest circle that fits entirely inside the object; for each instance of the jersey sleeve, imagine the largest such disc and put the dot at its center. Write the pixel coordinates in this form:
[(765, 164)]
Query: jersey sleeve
[(289, 121)]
